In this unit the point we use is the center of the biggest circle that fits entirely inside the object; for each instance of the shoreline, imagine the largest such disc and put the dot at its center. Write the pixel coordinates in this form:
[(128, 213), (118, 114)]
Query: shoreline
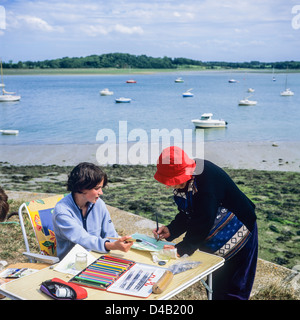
[(135, 71), (260, 155)]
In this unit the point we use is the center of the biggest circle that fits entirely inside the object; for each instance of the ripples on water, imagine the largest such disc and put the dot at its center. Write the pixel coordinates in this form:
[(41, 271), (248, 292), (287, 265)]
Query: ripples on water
[(69, 109)]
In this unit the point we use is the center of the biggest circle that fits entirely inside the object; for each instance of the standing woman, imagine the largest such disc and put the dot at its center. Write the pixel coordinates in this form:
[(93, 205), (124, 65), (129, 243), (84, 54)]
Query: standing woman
[(215, 216)]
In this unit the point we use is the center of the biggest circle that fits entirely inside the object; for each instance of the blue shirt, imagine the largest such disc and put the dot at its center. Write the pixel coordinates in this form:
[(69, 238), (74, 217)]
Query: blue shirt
[(72, 228)]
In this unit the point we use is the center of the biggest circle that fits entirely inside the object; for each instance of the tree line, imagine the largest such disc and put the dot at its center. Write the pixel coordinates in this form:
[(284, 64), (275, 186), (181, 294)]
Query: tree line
[(125, 60)]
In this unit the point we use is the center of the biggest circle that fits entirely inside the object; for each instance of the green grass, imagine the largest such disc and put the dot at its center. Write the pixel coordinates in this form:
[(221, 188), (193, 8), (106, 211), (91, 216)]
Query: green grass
[(133, 189)]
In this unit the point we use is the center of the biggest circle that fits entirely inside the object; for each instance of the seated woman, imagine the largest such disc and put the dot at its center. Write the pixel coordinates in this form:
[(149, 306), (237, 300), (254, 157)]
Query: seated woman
[(82, 217)]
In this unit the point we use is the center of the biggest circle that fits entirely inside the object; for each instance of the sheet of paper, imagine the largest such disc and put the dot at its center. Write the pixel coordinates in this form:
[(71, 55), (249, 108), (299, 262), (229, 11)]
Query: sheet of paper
[(67, 264), (138, 280), (148, 243)]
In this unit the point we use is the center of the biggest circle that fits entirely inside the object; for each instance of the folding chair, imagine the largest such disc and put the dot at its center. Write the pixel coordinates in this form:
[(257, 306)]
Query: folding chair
[(40, 215)]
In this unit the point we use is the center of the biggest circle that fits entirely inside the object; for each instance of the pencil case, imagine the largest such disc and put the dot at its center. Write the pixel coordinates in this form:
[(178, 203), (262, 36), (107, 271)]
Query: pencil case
[(61, 290)]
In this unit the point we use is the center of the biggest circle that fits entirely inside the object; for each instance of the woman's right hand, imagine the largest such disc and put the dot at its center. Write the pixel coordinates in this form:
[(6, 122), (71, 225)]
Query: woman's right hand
[(120, 244), (162, 233)]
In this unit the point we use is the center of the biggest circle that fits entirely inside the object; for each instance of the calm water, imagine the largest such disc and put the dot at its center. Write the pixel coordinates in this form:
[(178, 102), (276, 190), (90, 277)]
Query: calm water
[(69, 109)]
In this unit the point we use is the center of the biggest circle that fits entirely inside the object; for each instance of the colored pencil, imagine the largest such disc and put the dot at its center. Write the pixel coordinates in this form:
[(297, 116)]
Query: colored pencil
[(104, 271)]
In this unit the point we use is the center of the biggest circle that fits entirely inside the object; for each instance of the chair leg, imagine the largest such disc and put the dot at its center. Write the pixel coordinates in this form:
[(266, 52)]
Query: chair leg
[(23, 227)]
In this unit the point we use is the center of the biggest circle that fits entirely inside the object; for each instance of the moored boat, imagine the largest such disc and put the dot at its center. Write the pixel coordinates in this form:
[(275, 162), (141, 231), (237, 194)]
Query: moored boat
[(106, 92), (247, 102), (206, 121), (287, 92), (9, 132), (179, 80), (123, 100), (5, 97), (188, 93)]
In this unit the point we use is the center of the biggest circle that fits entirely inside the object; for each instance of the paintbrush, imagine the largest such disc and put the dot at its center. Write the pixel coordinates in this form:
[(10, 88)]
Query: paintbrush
[(135, 240), (127, 240), (156, 215)]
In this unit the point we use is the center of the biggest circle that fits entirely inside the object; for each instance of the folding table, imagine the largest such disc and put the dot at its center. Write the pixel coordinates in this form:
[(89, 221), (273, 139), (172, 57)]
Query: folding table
[(27, 287)]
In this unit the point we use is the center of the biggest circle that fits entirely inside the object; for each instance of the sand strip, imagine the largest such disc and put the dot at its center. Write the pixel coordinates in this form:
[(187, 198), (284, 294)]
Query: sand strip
[(279, 156)]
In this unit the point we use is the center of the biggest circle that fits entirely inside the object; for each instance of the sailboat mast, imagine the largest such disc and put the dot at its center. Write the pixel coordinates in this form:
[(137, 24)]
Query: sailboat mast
[(1, 73)]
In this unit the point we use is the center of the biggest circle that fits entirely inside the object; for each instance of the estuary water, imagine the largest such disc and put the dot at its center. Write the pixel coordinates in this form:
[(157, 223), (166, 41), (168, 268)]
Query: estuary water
[(68, 109)]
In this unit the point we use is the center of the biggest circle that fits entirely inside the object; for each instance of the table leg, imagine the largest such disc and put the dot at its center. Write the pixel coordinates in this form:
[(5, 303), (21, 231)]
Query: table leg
[(210, 286)]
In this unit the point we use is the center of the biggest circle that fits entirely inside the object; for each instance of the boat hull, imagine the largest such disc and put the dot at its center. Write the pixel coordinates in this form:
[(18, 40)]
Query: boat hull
[(209, 124), (287, 93), (9, 98), (247, 103), (123, 100), (110, 93), (9, 132)]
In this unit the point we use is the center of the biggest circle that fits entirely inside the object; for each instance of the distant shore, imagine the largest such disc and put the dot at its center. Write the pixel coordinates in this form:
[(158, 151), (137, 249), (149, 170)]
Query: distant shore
[(266, 155), (117, 71)]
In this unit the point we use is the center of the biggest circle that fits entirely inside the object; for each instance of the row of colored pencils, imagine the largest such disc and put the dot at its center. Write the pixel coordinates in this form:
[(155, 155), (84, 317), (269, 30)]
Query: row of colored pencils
[(103, 272)]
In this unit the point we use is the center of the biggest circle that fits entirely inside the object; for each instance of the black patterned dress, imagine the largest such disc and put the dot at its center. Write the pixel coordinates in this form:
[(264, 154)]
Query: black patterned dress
[(218, 218)]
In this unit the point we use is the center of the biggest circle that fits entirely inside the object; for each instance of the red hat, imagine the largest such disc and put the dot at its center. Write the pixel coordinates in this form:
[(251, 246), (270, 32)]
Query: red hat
[(174, 167)]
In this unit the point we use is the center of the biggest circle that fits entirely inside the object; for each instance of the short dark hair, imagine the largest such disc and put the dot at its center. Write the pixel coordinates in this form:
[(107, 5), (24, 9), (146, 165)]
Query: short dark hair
[(4, 206), (85, 176)]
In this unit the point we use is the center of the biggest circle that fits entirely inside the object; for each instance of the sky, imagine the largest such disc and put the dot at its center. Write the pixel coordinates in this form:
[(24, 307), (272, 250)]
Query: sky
[(206, 30)]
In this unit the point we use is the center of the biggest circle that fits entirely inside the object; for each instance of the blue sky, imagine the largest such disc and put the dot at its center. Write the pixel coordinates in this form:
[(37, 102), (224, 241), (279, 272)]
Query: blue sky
[(207, 30)]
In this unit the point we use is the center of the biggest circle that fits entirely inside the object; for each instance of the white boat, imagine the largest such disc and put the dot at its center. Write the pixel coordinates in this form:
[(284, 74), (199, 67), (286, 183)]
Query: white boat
[(123, 100), (206, 121), (287, 92), (179, 80), (9, 132), (232, 81), (106, 92), (7, 96), (247, 102), (251, 90), (188, 93)]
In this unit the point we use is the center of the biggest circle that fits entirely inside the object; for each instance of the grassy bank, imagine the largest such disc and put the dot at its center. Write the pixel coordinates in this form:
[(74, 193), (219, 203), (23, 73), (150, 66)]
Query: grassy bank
[(131, 71), (85, 71), (133, 189)]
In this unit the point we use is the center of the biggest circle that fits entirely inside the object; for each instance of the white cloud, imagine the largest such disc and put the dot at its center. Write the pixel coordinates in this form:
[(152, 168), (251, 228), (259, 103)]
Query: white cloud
[(94, 30), (97, 30), (187, 28), (128, 30), (33, 23), (36, 23)]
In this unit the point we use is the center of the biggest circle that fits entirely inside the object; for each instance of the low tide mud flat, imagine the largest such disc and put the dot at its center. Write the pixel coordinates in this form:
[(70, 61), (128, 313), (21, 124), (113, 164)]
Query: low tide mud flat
[(133, 189)]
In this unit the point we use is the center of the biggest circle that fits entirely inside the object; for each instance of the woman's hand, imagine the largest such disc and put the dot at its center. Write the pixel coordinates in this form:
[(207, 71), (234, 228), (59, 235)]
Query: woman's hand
[(162, 233), (119, 244)]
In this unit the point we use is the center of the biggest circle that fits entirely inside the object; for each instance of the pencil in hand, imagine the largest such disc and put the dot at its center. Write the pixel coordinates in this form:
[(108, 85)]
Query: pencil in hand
[(127, 240)]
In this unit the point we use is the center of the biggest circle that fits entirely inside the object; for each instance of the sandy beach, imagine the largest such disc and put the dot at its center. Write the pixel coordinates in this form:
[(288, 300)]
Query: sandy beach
[(272, 156)]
